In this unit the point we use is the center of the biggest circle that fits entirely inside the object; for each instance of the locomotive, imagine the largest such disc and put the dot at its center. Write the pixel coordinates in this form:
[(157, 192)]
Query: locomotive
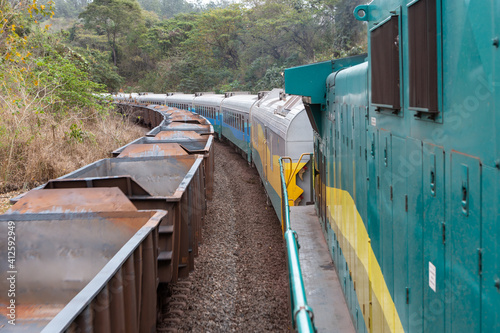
[(407, 166)]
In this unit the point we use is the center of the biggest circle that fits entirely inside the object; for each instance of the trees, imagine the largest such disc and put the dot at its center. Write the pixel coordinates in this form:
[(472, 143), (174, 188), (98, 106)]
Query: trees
[(113, 18), (216, 45), (348, 32), (215, 37)]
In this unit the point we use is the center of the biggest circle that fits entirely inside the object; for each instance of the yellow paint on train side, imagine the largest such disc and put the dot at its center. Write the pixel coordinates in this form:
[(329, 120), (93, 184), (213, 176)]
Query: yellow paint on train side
[(271, 167), (377, 305)]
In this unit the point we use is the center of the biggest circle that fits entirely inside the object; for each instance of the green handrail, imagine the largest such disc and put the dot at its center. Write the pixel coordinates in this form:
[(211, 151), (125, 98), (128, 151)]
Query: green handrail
[(302, 314)]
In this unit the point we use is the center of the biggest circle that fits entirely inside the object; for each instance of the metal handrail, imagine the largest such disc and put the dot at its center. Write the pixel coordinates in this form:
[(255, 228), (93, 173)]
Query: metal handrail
[(302, 315), (296, 166)]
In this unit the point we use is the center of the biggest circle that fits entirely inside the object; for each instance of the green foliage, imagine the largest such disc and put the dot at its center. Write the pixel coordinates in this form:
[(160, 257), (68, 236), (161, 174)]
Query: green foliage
[(248, 47), (168, 8), (214, 40), (217, 46), (69, 8), (39, 73), (113, 18), (101, 70), (75, 133), (349, 32), (44, 83), (61, 78), (273, 78)]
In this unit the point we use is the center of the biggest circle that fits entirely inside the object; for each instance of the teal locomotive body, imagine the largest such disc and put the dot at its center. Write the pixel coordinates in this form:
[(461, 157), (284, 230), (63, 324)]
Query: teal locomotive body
[(408, 165)]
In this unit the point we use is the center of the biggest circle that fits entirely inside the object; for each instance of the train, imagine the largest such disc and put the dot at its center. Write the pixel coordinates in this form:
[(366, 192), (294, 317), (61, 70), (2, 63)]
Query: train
[(262, 127), (146, 204), (407, 165), (404, 178)]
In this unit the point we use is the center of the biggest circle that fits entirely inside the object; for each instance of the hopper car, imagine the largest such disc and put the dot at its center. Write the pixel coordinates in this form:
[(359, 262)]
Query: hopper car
[(96, 248)]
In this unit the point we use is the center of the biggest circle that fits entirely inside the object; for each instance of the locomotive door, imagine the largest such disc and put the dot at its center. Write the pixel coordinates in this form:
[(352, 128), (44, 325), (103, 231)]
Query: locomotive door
[(360, 185), (465, 243), (375, 310), (415, 234), (434, 229), (400, 227)]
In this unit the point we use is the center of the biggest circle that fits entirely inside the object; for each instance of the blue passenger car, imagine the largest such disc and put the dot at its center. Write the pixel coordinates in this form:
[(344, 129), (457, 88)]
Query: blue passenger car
[(236, 121), (180, 101), (209, 107)]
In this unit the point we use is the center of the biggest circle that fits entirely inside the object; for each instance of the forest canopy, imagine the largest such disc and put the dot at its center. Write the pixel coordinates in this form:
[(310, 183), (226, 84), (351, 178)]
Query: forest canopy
[(160, 45), (175, 45)]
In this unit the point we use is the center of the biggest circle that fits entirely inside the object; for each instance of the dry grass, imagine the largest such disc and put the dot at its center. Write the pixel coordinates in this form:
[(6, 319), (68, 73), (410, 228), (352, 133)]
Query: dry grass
[(37, 147), (5, 200)]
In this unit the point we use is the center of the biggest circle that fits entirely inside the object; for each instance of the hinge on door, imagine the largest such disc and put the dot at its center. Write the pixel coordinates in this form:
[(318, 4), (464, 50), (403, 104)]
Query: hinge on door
[(406, 203), (391, 193), (378, 182), (480, 259), (443, 227), (407, 295)]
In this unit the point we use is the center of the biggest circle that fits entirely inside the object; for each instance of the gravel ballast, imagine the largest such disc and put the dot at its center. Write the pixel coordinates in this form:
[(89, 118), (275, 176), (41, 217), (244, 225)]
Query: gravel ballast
[(240, 280)]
